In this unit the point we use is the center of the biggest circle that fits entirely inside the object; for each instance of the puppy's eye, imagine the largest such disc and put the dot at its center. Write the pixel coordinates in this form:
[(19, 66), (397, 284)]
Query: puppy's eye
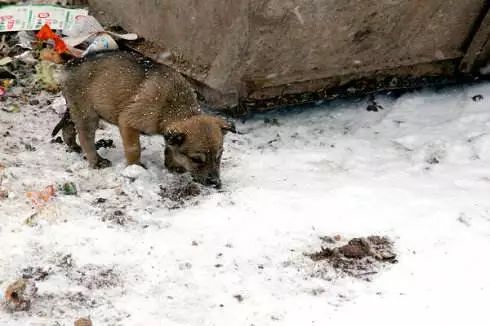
[(197, 160)]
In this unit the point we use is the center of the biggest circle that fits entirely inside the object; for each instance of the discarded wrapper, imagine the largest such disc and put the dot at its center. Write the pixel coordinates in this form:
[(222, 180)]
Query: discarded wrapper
[(46, 33), (33, 17), (80, 29), (88, 26), (101, 43), (5, 61), (38, 198), (26, 39)]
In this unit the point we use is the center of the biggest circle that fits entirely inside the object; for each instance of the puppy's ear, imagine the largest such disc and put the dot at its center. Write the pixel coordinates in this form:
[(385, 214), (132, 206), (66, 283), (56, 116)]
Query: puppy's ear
[(229, 126), (174, 137), (226, 126)]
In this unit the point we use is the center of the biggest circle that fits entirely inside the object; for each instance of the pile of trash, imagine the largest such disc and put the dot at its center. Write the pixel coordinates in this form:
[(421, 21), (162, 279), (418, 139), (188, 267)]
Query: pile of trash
[(35, 40)]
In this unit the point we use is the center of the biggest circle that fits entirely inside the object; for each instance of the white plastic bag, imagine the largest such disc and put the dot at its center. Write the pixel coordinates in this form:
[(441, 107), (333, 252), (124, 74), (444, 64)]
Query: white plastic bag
[(88, 29)]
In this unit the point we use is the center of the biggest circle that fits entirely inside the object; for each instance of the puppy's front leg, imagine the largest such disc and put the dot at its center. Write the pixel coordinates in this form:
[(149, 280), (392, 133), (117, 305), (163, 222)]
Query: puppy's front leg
[(131, 142)]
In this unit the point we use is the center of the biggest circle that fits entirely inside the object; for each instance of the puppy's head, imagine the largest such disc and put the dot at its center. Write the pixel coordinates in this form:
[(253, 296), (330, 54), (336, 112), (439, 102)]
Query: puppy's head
[(195, 145)]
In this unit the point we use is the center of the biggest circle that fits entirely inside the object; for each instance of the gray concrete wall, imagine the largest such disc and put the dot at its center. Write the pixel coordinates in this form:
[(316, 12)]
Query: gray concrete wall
[(262, 48)]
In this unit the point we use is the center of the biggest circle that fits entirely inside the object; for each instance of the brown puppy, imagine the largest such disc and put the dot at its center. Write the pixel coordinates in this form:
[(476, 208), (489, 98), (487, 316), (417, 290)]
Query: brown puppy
[(141, 97)]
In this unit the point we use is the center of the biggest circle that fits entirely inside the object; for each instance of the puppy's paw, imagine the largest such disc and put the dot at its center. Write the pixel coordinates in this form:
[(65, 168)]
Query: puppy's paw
[(74, 149), (102, 163)]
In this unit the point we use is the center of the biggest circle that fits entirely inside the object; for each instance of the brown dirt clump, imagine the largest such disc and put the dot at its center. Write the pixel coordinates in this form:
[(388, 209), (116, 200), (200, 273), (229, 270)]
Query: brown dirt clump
[(179, 194), (359, 257)]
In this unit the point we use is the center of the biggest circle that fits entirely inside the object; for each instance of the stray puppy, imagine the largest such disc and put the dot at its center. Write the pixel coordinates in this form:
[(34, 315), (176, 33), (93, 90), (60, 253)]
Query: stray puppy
[(141, 97)]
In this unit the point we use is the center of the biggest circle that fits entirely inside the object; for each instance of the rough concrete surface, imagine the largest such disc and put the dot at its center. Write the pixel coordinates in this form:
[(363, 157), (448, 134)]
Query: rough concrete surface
[(250, 48)]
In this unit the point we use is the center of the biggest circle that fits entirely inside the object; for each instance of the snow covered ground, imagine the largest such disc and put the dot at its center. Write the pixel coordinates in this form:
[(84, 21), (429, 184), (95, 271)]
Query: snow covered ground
[(417, 171)]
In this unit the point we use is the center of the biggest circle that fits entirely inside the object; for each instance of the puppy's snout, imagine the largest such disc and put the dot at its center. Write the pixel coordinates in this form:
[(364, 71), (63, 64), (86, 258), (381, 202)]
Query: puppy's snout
[(214, 180)]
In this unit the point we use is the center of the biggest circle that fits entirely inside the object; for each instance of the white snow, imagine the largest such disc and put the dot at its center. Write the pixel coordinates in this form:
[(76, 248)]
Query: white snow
[(417, 171)]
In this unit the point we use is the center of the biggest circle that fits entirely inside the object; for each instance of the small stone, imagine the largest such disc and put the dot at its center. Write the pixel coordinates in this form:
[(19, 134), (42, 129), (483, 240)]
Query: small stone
[(185, 266), (477, 98), (374, 108), (433, 160), (34, 102), (30, 148), (239, 297), (4, 194), (83, 322)]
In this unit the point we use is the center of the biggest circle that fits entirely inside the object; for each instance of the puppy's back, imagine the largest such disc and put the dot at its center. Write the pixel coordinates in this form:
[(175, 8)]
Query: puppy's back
[(103, 82), (107, 84)]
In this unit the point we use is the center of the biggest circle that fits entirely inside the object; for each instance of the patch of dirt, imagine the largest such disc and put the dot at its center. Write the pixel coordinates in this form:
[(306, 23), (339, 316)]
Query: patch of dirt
[(117, 217), (178, 194), (64, 261), (67, 304), (36, 273), (95, 277), (89, 276), (91, 283), (359, 257)]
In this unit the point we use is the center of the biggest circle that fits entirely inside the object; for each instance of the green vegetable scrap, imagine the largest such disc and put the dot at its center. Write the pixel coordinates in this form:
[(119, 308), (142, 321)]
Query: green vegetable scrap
[(69, 189)]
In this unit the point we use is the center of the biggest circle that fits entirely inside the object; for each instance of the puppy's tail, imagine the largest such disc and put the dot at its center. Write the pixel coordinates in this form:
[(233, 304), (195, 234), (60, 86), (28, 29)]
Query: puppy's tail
[(65, 120)]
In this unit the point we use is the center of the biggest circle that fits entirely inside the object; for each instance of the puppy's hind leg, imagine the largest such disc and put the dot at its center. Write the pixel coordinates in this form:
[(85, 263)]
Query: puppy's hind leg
[(86, 123), (69, 132), (70, 137)]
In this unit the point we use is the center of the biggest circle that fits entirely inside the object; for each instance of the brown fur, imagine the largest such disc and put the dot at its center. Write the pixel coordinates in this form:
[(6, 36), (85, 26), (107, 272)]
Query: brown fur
[(138, 98)]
